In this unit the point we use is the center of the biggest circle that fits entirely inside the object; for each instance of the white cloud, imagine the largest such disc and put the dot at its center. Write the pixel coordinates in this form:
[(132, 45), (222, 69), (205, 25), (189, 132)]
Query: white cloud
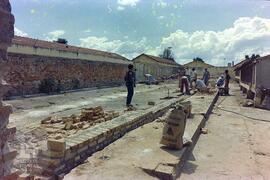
[(120, 8), (19, 32), (32, 11), (162, 4), (246, 36), (129, 49), (128, 2), (160, 17), (87, 31), (54, 35)]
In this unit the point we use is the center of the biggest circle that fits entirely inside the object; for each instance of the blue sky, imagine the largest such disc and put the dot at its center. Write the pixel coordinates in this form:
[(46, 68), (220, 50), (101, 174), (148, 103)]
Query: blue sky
[(216, 30)]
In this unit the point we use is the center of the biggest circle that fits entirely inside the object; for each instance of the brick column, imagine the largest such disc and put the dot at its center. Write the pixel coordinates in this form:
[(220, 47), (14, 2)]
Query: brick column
[(6, 34)]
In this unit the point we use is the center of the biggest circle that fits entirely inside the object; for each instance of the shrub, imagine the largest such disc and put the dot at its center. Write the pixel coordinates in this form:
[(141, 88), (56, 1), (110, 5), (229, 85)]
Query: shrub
[(47, 85), (75, 83)]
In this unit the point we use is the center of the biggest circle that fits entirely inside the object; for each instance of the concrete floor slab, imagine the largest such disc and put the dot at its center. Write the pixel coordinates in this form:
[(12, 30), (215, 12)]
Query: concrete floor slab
[(137, 150), (236, 146)]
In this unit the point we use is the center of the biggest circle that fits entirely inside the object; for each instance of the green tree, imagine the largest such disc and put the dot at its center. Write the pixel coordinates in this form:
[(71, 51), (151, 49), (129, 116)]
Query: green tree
[(167, 54), (198, 59)]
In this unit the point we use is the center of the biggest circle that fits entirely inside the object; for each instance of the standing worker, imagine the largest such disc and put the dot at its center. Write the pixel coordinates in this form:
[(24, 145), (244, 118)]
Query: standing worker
[(193, 77), (227, 81), (130, 83), (206, 76)]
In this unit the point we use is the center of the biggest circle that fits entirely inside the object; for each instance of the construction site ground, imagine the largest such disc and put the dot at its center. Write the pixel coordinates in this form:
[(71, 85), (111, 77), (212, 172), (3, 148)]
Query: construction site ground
[(28, 112), (140, 149), (237, 144)]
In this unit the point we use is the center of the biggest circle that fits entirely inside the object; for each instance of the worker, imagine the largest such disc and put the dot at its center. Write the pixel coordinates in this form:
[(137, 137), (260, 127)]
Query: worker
[(130, 83), (206, 77), (220, 81), (200, 84), (184, 84), (193, 77), (227, 82), (188, 73)]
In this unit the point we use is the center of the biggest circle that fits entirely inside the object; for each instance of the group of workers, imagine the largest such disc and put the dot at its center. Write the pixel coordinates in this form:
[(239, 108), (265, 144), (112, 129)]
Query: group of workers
[(189, 79)]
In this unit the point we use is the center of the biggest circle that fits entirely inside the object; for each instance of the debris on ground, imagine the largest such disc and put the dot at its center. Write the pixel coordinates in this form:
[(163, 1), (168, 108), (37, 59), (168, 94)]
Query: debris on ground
[(187, 141), (60, 127), (204, 130), (248, 103), (151, 103), (130, 108)]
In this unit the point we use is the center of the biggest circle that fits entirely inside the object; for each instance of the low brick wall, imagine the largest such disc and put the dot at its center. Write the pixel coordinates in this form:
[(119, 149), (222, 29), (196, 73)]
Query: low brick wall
[(27, 71), (63, 155), (195, 137)]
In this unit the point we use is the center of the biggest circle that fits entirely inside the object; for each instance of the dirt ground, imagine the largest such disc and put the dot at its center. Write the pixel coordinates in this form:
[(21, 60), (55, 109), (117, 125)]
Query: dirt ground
[(30, 111), (236, 146)]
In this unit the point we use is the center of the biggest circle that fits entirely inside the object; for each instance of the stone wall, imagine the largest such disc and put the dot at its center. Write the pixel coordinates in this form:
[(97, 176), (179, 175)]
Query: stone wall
[(27, 71), (6, 133)]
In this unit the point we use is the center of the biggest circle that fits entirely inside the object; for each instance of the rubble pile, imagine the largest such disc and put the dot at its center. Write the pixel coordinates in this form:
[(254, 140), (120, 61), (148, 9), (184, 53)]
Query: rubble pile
[(7, 155), (58, 127)]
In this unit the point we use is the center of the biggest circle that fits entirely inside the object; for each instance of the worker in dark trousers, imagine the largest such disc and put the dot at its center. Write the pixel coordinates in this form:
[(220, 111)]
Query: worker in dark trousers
[(130, 79), (227, 82)]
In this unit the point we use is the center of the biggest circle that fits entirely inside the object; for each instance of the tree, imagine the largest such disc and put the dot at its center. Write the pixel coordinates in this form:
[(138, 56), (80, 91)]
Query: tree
[(61, 40), (198, 59), (252, 57), (167, 54)]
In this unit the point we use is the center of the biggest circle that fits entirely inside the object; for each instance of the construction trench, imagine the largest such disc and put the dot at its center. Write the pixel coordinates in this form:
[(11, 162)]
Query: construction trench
[(73, 140)]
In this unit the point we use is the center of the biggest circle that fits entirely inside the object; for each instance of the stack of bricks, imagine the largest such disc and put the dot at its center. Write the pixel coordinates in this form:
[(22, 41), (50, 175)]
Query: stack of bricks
[(97, 115), (6, 33), (88, 117)]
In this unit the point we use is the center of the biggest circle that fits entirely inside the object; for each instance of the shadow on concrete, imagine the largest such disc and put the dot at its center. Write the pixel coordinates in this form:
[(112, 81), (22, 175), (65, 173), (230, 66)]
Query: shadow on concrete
[(177, 153), (189, 168)]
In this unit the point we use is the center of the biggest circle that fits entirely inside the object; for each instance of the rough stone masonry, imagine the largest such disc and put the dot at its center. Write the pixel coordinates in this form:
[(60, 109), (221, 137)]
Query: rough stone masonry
[(6, 34)]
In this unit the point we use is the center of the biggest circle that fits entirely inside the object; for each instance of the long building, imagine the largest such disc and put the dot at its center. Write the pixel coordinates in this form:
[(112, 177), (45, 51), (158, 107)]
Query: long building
[(253, 76), (200, 66), (32, 61), (156, 66), (253, 73)]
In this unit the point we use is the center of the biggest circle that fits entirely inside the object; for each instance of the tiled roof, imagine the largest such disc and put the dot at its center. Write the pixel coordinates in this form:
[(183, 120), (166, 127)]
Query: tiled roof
[(249, 61), (160, 60), (25, 41), (240, 64), (194, 61)]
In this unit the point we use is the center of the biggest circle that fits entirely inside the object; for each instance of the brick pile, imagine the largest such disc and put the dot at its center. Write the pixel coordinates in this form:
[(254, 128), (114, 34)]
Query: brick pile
[(58, 127), (7, 155)]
